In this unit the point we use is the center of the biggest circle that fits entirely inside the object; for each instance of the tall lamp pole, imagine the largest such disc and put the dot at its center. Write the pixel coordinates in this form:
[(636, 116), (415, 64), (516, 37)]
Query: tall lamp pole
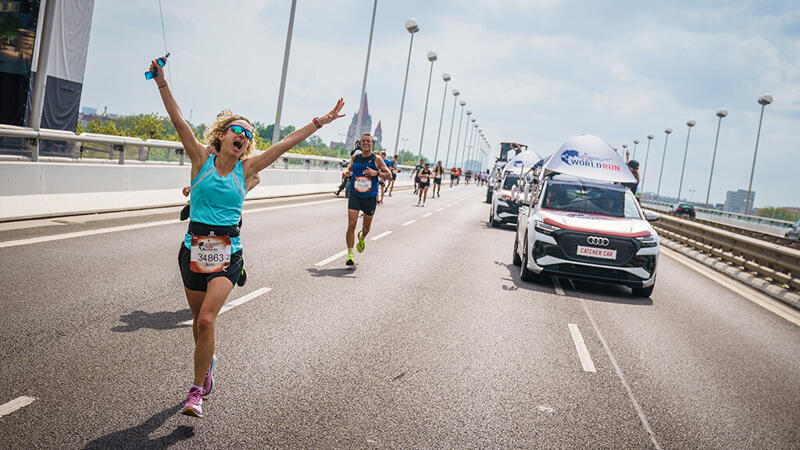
[(452, 121), (764, 100), (458, 135), (446, 77), (431, 57), (467, 142), (412, 26), (635, 143), (721, 113), (689, 124), (646, 156), (663, 156), (464, 149)]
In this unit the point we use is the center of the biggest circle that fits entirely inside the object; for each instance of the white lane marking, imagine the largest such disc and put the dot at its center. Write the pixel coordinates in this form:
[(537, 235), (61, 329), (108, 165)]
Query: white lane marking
[(57, 237), (557, 286), (440, 209), (327, 260), (580, 346), (762, 300), (426, 215), (449, 205), (13, 405), (409, 222), (382, 235), (239, 301), (621, 377)]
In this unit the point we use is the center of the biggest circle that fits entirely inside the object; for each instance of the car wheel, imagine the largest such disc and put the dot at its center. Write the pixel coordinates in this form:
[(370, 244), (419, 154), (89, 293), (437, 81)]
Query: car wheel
[(643, 292), (524, 273), (516, 259), (493, 223)]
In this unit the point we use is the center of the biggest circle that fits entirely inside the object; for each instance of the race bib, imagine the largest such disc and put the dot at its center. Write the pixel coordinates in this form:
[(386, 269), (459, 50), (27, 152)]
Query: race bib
[(210, 254), (438, 176), (363, 184), (423, 179)]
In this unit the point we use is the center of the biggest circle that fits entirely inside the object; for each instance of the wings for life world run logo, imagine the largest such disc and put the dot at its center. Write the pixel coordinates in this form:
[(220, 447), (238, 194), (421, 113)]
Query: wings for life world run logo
[(575, 158)]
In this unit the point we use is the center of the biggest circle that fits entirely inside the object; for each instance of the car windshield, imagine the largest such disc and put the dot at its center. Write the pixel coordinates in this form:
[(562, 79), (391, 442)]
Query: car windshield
[(510, 181), (685, 206), (591, 200)]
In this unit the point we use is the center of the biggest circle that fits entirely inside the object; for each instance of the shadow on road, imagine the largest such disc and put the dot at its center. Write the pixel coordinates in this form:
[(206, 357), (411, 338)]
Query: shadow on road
[(162, 320), (606, 293), (513, 276), (137, 437), (341, 272)]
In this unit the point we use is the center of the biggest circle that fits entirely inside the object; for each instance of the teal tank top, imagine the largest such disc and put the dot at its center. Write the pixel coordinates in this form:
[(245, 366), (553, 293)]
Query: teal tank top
[(217, 200)]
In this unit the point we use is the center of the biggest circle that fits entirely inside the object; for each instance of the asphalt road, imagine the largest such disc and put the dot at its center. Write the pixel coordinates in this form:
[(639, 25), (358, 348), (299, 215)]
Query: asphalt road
[(432, 341)]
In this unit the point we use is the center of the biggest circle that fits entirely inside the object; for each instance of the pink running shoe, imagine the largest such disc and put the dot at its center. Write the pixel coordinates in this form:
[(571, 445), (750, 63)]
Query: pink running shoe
[(208, 382), (194, 403)]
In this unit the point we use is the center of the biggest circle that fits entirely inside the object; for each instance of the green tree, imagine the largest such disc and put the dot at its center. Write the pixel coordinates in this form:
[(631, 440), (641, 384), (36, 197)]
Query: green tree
[(778, 213)]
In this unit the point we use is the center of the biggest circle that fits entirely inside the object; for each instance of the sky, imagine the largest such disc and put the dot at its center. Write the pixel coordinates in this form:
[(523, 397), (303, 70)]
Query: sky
[(531, 71)]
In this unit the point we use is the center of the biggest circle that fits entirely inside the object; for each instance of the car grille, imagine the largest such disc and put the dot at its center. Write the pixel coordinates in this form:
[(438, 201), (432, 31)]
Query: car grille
[(568, 241), (594, 273)]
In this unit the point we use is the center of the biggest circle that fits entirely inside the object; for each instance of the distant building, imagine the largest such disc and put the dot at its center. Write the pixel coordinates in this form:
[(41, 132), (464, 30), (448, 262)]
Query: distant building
[(88, 111), (378, 134), (735, 201)]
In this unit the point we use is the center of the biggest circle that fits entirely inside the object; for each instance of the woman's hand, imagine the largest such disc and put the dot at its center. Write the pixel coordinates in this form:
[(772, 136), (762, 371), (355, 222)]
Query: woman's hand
[(159, 78), (334, 114)]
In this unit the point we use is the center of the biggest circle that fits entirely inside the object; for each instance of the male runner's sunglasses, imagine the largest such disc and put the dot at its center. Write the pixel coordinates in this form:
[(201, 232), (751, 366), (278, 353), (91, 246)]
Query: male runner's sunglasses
[(238, 130)]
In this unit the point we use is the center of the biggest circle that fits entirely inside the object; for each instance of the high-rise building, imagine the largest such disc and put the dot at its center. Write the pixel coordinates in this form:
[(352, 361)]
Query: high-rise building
[(735, 201), (378, 134), (355, 132)]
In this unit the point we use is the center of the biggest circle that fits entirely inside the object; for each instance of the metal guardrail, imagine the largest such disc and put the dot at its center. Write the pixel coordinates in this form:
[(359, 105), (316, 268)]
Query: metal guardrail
[(119, 144), (727, 214), (770, 260)]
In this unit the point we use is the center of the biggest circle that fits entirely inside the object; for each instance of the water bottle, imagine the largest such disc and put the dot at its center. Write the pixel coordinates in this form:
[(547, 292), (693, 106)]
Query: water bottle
[(162, 61)]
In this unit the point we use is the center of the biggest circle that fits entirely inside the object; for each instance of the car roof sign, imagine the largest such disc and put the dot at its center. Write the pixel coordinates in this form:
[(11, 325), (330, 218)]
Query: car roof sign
[(527, 158), (589, 157)]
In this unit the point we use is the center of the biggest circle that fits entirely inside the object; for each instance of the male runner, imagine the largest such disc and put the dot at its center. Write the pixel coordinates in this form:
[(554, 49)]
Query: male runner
[(394, 168), (364, 168), (382, 181), (438, 173), (453, 173), (424, 183), (415, 174)]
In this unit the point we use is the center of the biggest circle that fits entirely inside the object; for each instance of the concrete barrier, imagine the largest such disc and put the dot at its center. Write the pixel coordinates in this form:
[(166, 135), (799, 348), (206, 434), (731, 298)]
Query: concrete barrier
[(35, 190)]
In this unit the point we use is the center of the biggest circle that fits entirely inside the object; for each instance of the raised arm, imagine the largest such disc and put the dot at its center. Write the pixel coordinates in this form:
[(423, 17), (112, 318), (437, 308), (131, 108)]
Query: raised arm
[(262, 161), (193, 147)]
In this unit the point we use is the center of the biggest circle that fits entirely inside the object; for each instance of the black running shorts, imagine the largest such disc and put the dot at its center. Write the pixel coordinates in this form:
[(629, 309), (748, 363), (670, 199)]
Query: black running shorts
[(366, 204), (199, 281), (437, 180)]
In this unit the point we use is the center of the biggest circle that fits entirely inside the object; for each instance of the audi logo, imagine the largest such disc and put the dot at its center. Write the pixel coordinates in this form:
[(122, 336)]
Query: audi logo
[(597, 240)]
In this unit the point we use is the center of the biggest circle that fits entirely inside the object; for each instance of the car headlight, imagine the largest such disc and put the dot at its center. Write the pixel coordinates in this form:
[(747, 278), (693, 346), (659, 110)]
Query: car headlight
[(546, 228), (504, 197), (648, 241)]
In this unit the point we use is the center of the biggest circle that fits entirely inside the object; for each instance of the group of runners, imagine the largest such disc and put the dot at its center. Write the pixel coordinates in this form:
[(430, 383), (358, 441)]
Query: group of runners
[(210, 257)]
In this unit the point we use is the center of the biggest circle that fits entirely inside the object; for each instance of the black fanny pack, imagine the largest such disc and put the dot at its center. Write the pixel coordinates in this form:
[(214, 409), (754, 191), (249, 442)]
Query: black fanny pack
[(202, 229)]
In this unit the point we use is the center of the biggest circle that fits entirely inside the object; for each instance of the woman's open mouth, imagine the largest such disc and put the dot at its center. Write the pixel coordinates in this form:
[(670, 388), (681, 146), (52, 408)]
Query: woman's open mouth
[(237, 144)]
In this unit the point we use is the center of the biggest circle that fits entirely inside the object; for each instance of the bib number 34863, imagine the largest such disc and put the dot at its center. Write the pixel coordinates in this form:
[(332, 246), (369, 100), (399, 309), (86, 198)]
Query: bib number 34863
[(210, 254)]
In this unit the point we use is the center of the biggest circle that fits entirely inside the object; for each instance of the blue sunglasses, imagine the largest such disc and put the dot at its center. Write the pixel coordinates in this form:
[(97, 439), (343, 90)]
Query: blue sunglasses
[(238, 130)]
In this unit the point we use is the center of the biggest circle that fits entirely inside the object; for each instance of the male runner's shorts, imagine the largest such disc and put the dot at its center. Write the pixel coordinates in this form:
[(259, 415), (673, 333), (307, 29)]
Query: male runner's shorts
[(366, 204), (416, 179), (452, 177), (394, 176), (424, 185), (199, 281), (437, 180)]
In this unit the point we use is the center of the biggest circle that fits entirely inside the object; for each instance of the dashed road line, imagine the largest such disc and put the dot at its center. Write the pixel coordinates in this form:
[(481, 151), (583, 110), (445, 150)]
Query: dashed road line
[(409, 222), (426, 215), (239, 301), (382, 235), (327, 260), (580, 346), (440, 209), (448, 205), (13, 405)]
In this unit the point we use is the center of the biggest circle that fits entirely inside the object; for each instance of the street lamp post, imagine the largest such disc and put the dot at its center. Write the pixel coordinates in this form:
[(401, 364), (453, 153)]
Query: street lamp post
[(412, 26), (360, 120), (635, 143), (458, 135), (276, 131), (464, 149), (721, 113), (624, 148), (646, 155), (452, 121), (663, 156), (467, 142), (431, 57), (446, 77), (764, 100), (689, 125)]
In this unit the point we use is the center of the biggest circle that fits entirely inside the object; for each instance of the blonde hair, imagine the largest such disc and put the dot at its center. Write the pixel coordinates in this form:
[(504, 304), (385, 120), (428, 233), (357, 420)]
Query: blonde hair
[(214, 132)]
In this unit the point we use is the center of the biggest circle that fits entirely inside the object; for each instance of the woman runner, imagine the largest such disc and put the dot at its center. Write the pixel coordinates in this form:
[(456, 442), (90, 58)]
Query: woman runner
[(210, 257), (424, 182)]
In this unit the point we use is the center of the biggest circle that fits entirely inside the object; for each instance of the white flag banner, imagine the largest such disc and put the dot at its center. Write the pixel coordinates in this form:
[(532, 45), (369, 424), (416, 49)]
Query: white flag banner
[(589, 157)]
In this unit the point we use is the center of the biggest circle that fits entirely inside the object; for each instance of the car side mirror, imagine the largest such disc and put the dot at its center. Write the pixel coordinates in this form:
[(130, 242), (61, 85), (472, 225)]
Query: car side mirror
[(650, 216)]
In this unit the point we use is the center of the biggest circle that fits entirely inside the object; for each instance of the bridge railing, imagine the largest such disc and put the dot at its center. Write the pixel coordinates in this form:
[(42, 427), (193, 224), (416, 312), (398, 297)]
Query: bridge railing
[(86, 147), (764, 224)]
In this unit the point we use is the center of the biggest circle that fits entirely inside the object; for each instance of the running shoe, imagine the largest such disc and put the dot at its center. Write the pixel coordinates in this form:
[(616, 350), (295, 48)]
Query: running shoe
[(194, 403), (361, 244), (242, 278), (208, 382), (350, 261)]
